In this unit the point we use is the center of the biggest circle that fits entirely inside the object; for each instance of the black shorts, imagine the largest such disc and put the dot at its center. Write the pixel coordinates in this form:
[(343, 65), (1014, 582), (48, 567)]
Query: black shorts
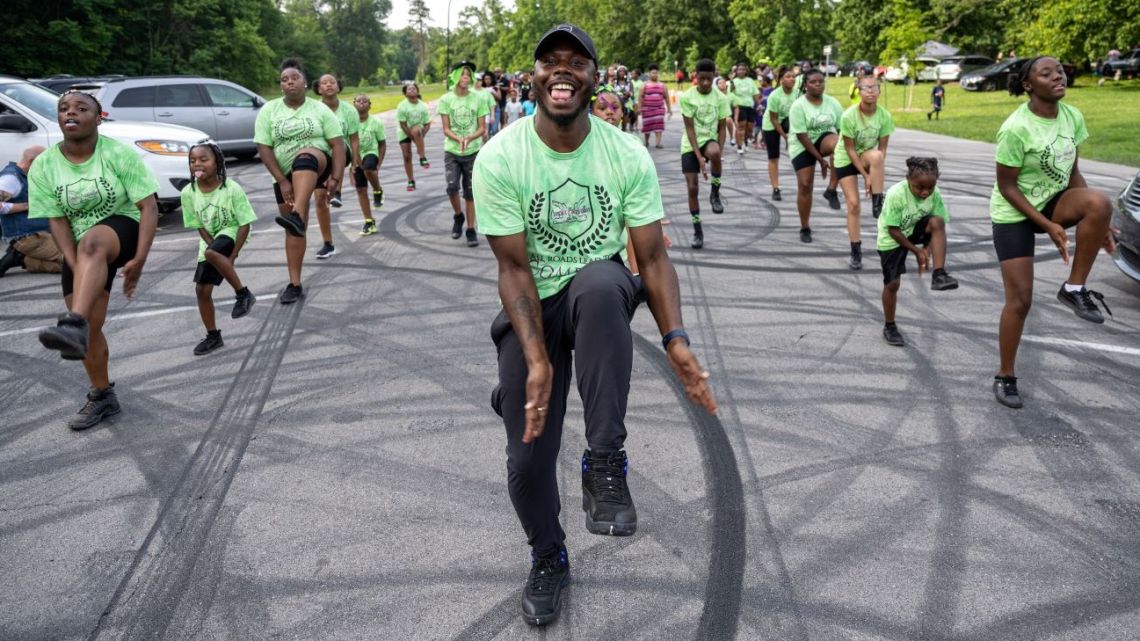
[(1015, 240), (894, 260), (689, 164), (745, 114), (320, 179), (368, 163), (772, 140), (457, 170), (844, 172), (207, 274), (127, 229), (805, 159)]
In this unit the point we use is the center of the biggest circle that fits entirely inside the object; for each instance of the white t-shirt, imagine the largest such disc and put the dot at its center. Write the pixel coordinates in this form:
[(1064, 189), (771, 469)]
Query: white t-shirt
[(514, 111)]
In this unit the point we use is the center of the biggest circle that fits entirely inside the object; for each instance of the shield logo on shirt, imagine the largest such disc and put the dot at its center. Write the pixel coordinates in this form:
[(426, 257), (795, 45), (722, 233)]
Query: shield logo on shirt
[(83, 195), (214, 217), (705, 117), (571, 214), (463, 120), (294, 128), (1057, 159)]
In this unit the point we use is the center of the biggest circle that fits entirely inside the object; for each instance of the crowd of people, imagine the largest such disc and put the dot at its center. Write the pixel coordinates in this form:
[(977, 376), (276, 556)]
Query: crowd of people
[(528, 162)]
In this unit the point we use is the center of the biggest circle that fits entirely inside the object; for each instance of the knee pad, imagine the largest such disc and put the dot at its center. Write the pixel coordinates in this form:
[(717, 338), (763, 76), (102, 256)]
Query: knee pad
[(305, 162)]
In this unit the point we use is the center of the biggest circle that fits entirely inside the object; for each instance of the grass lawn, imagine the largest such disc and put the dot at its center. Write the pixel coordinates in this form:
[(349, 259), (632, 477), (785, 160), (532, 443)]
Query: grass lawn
[(383, 98), (1110, 112)]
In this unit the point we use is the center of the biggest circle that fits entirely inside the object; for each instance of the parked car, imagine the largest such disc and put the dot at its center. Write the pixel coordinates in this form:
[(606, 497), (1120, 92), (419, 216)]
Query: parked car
[(952, 67), (829, 68), (898, 73), (1127, 220), (1128, 65), (28, 117), (224, 110), (996, 76), (62, 82)]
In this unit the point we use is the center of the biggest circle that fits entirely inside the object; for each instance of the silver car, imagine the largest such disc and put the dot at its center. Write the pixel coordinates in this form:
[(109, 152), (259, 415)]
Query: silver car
[(224, 110), (1126, 220)]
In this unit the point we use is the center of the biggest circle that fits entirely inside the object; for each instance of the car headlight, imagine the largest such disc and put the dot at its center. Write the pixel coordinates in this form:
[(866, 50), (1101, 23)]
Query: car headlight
[(165, 147)]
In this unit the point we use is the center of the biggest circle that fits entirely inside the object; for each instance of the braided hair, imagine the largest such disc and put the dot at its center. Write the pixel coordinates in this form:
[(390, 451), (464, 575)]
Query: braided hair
[(219, 161), (77, 92), (916, 165), (1017, 80)]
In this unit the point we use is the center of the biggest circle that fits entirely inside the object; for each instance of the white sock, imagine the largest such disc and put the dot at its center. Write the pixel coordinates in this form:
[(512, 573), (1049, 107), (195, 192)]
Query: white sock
[(1073, 288)]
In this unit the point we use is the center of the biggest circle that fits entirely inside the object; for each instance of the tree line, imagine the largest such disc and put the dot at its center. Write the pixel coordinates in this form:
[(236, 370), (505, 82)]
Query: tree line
[(243, 40)]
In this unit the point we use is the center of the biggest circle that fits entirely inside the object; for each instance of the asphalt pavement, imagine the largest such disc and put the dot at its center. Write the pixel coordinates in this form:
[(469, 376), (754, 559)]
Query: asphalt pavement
[(336, 471)]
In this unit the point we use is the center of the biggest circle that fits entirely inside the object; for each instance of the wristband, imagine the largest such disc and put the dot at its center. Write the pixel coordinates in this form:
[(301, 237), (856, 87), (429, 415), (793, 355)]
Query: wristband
[(5, 207), (676, 333)]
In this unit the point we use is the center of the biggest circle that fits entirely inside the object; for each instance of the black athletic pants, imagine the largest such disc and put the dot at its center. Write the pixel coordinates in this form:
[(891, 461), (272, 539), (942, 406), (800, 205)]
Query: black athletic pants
[(589, 317)]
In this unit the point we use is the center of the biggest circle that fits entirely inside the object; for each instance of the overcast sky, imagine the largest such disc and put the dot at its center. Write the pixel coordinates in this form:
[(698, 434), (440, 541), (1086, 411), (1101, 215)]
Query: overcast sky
[(398, 19)]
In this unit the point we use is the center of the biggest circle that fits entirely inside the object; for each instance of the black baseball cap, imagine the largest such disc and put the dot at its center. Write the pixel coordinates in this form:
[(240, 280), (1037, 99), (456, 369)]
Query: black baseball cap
[(567, 30)]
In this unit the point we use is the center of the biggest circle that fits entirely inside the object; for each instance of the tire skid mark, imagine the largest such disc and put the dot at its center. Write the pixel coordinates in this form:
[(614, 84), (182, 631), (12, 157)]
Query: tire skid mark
[(149, 594)]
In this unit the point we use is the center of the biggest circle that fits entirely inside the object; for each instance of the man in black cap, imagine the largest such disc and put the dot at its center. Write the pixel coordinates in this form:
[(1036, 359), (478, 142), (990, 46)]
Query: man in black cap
[(554, 194)]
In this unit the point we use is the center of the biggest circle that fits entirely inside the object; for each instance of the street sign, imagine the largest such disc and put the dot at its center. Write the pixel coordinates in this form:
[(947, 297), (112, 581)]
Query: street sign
[(827, 50)]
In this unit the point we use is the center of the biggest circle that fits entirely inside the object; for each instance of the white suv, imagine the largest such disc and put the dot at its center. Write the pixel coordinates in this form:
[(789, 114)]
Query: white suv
[(28, 117)]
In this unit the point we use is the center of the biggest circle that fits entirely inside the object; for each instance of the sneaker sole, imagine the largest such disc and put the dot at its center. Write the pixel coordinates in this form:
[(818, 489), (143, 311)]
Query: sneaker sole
[(327, 255), (290, 228), (944, 288), (102, 417), (606, 528), (212, 349), (67, 350), (1098, 319)]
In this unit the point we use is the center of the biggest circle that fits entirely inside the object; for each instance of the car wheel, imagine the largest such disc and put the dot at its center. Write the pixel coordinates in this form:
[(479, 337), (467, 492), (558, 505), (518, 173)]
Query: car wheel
[(1106, 71), (989, 85)]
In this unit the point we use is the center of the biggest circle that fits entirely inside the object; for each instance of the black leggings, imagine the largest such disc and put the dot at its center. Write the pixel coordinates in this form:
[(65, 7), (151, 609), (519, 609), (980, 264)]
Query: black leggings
[(589, 317)]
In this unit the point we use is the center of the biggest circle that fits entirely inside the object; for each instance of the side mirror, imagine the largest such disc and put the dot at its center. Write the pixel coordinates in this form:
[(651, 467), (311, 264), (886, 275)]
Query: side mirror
[(16, 123), (257, 101)]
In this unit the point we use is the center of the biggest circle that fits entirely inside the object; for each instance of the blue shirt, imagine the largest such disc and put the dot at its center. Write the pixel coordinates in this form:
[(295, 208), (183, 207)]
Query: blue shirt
[(528, 107), (19, 225)]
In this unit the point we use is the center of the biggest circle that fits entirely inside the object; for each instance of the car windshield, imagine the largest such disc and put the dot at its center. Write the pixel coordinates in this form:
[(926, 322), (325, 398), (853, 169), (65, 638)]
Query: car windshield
[(951, 61), (998, 66), (38, 99)]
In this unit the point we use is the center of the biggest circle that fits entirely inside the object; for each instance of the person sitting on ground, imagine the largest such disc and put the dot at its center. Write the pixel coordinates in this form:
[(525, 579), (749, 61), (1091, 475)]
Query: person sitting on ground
[(30, 244)]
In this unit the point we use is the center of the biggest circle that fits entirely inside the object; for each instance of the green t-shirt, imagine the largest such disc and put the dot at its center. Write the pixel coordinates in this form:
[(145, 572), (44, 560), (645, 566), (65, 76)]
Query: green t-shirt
[(349, 120), (902, 209), (371, 134), (813, 120), (798, 88), (109, 183), (288, 130), (464, 114), (863, 130), (637, 85), (706, 110), (779, 103), (411, 114), (743, 91), (573, 207), (220, 212), (1044, 149)]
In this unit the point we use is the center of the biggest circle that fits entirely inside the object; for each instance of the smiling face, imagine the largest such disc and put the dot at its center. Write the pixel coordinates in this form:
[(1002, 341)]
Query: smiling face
[(1046, 80), (292, 83), (563, 82), (327, 86), (78, 116), (202, 163), (464, 79)]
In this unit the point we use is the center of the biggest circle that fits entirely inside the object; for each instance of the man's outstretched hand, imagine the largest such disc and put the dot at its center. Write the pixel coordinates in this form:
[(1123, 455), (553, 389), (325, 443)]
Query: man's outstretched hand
[(695, 379)]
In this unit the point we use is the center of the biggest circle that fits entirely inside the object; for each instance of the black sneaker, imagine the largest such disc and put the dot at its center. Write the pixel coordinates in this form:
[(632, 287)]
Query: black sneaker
[(714, 200), (776, 194), (893, 336), (69, 337), (212, 342), (605, 495), (243, 301), (805, 235), (832, 198), (369, 228), (335, 201), (1005, 391), (11, 258), (292, 223), (328, 251), (100, 404), (424, 163), (876, 205), (941, 281), (456, 225), (698, 240), (377, 197), (1082, 303), (291, 294), (472, 238), (542, 594), (856, 260)]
